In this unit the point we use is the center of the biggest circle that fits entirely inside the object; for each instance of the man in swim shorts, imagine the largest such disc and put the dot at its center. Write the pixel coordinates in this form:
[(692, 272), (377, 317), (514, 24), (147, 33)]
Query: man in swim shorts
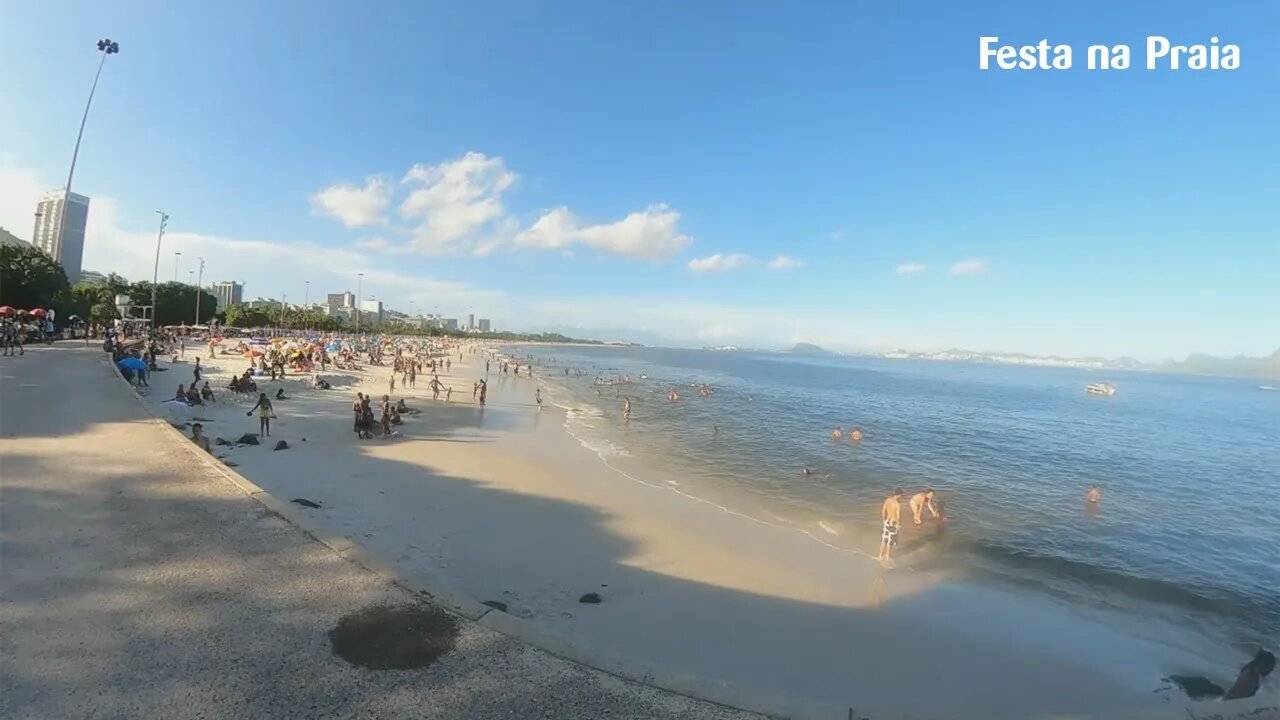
[(919, 502), (891, 514)]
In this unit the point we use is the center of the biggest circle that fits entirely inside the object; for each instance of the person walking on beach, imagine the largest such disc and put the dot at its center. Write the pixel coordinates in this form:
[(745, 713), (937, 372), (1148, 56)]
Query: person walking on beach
[(484, 390), (386, 415), (196, 370), (357, 410), (537, 396), (265, 414), (891, 514), (919, 502), (626, 409)]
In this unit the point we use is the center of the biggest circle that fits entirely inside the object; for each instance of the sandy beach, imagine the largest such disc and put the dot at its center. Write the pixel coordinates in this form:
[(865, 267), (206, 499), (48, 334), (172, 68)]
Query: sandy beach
[(502, 504)]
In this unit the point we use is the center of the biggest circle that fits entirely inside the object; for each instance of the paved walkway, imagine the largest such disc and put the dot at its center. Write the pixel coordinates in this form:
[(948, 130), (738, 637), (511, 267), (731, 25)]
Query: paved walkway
[(136, 583)]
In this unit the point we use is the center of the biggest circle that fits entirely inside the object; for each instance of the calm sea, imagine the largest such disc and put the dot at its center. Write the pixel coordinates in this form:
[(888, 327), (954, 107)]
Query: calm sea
[(1189, 466)]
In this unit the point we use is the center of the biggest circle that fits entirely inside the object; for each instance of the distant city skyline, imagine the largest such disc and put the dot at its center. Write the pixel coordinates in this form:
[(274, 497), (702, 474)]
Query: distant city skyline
[(762, 182)]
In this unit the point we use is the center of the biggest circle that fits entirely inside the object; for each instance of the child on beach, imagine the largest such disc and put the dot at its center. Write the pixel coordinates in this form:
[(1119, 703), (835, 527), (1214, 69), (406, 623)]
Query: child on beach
[(265, 414)]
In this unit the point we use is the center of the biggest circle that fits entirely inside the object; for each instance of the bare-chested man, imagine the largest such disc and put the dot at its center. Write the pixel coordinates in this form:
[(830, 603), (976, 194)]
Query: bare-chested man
[(198, 437), (919, 502), (891, 514)]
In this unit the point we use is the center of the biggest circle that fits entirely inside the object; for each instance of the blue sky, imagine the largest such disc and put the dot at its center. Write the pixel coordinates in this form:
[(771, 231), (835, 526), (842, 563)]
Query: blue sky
[(574, 159)]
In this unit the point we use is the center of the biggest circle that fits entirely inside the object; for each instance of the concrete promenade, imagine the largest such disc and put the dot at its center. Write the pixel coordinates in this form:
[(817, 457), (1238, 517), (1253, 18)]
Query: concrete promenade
[(137, 582)]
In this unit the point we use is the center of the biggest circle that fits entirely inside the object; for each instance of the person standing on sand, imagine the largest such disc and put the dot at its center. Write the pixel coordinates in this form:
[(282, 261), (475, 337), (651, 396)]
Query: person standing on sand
[(448, 394), (537, 396), (484, 390), (393, 382), (357, 408), (919, 502), (265, 414), (197, 371), (626, 409), (385, 407), (891, 514)]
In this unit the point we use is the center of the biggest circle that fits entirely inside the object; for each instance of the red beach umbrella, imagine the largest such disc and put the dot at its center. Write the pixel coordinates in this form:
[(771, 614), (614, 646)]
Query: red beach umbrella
[(38, 312), (6, 311)]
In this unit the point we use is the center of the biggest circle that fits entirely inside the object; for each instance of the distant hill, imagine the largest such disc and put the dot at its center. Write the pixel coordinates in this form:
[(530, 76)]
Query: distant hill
[(1239, 366), (811, 350)]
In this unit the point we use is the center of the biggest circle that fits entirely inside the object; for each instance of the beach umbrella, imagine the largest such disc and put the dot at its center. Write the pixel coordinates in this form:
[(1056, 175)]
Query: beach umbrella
[(38, 312), (132, 363), (6, 311), (251, 353)]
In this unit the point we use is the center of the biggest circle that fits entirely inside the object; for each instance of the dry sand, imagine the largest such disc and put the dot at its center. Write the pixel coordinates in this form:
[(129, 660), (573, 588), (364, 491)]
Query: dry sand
[(502, 504)]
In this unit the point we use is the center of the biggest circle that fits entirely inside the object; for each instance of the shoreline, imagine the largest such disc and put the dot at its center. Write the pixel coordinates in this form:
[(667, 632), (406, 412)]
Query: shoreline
[(462, 494)]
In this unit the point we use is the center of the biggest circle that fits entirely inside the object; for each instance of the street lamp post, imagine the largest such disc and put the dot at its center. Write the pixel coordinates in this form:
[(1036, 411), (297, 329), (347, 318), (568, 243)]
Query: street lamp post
[(198, 292), (306, 305), (106, 47), (175, 265), (155, 271), (359, 282)]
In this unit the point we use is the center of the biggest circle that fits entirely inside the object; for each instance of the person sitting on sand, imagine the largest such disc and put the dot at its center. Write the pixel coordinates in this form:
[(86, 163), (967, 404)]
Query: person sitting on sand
[(1094, 495), (235, 385), (193, 396), (206, 392), (181, 395), (1251, 676), (891, 515), (919, 502), (198, 437)]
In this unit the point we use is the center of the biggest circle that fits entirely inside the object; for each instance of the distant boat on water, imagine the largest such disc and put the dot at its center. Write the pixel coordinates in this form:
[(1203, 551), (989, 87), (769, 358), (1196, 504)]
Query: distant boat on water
[(1100, 389)]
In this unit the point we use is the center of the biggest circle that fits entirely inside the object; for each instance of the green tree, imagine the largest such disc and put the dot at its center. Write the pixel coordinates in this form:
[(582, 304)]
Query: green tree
[(175, 302), (242, 316), (30, 279), (83, 296), (103, 312)]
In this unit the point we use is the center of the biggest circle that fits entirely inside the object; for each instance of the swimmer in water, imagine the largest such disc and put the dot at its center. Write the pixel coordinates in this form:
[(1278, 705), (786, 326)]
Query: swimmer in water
[(1094, 495), (855, 435), (919, 502), (837, 433), (715, 431), (806, 472)]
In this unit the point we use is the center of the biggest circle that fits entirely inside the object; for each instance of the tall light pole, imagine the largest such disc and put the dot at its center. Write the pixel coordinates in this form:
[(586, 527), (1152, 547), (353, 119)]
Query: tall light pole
[(176, 255), (155, 271), (198, 291), (359, 282), (106, 47)]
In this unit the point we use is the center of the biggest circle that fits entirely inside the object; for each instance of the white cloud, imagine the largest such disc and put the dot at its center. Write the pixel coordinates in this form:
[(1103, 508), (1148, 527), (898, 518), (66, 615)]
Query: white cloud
[(457, 205), (785, 262), (650, 234), (910, 268), (20, 191), (719, 263), (354, 205), (972, 266)]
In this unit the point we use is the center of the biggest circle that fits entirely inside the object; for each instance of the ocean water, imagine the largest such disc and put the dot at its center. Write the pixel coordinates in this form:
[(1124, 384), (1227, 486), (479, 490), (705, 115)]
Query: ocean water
[(1189, 466)]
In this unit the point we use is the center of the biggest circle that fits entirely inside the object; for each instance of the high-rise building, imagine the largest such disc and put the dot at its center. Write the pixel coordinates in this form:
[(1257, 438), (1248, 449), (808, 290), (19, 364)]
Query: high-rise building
[(66, 247), (483, 325), (450, 323), (471, 322), (371, 309), (228, 293), (340, 301)]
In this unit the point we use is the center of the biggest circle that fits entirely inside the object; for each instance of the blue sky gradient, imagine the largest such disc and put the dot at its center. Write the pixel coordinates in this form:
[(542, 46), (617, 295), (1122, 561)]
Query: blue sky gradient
[(1117, 213)]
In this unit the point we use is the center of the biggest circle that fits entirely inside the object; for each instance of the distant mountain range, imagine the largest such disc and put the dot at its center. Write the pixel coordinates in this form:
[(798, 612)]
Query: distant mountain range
[(810, 350), (1240, 366)]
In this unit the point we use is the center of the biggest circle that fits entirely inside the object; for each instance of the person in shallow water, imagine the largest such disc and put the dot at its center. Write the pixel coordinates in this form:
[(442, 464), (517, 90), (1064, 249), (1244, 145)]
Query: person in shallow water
[(919, 502), (837, 434), (1094, 495), (891, 514), (1251, 676)]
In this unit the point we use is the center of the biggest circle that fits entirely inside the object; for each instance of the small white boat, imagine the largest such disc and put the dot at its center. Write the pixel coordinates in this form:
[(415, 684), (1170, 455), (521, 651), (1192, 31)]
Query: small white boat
[(1100, 389)]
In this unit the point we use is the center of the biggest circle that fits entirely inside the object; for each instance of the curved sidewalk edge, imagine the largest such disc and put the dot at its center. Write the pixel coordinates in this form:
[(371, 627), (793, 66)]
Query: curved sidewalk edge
[(755, 700)]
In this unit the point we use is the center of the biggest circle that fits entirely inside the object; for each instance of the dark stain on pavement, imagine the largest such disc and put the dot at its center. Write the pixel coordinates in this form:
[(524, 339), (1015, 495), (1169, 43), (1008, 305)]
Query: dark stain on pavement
[(394, 637)]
